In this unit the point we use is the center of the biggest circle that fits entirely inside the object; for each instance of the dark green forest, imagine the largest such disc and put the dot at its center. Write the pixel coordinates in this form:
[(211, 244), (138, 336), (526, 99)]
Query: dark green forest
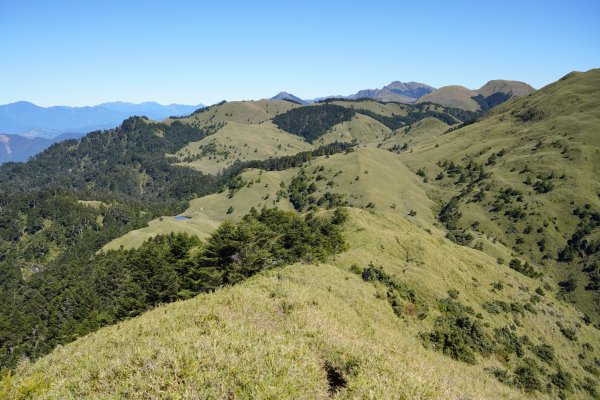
[(312, 122)]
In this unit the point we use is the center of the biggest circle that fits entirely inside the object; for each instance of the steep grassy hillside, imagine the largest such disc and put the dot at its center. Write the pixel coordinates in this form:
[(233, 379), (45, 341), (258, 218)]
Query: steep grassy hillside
[(541, 158), (242, 131), (318, 331)]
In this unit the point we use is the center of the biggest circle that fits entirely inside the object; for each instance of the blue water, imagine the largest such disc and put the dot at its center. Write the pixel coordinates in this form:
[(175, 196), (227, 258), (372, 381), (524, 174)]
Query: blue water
[(181, 218)]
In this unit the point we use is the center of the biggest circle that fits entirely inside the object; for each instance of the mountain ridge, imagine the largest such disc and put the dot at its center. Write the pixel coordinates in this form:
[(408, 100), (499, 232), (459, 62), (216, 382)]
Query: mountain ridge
[(470, 251), (403, 92)]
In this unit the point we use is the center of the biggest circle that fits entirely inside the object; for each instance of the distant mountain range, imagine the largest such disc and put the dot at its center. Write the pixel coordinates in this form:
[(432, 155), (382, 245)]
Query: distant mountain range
[(49, 122), (26, 129), (20, 148), (492, 93), (403, 92), (396, 91)]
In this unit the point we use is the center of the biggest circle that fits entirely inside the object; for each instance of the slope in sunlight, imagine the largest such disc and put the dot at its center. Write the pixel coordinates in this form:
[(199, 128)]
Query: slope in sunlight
[(466, 240), (286, 333), (541, 158)]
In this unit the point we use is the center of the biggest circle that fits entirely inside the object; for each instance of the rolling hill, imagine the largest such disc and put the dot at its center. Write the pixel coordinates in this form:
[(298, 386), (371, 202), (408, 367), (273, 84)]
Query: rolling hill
[(236, 141), (347, 249), (492, 93), (380, 184)]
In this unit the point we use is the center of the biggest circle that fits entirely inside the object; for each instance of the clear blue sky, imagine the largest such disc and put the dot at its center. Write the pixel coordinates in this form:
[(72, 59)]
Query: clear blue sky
[(83, 52)]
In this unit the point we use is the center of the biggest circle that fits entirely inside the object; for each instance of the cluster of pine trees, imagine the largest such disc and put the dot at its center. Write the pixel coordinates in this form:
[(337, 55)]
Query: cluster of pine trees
[(59, 304)]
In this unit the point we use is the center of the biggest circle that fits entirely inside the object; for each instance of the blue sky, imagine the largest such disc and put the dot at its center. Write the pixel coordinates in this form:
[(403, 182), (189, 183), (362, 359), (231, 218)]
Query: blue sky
[(83, 52)]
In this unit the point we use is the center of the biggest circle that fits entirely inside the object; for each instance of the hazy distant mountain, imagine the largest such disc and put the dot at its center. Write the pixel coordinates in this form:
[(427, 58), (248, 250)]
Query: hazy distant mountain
[(20, 148), (402, 92), (489, 95), (26, 129), (289, 97), (151, 109), (49, 122)]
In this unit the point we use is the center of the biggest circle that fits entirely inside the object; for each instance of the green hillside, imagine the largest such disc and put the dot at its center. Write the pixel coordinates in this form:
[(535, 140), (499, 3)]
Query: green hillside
[(541, 155), (344, 249), (243, 112), (488, 96), (503, 86), (383, 183), (299, 327)]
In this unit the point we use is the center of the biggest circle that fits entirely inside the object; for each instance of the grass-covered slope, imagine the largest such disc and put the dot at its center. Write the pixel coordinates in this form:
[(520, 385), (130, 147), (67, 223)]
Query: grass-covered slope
[(359, 129), (403, 312), (404, 138), (540, 154), (243, 112), (365, 121), (319, 331), (78, 297), (236, 141), (368, 178), (275, 337)]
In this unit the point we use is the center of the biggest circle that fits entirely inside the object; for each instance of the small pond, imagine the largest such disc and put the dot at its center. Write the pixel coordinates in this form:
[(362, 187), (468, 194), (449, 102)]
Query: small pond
[(181, 218)]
